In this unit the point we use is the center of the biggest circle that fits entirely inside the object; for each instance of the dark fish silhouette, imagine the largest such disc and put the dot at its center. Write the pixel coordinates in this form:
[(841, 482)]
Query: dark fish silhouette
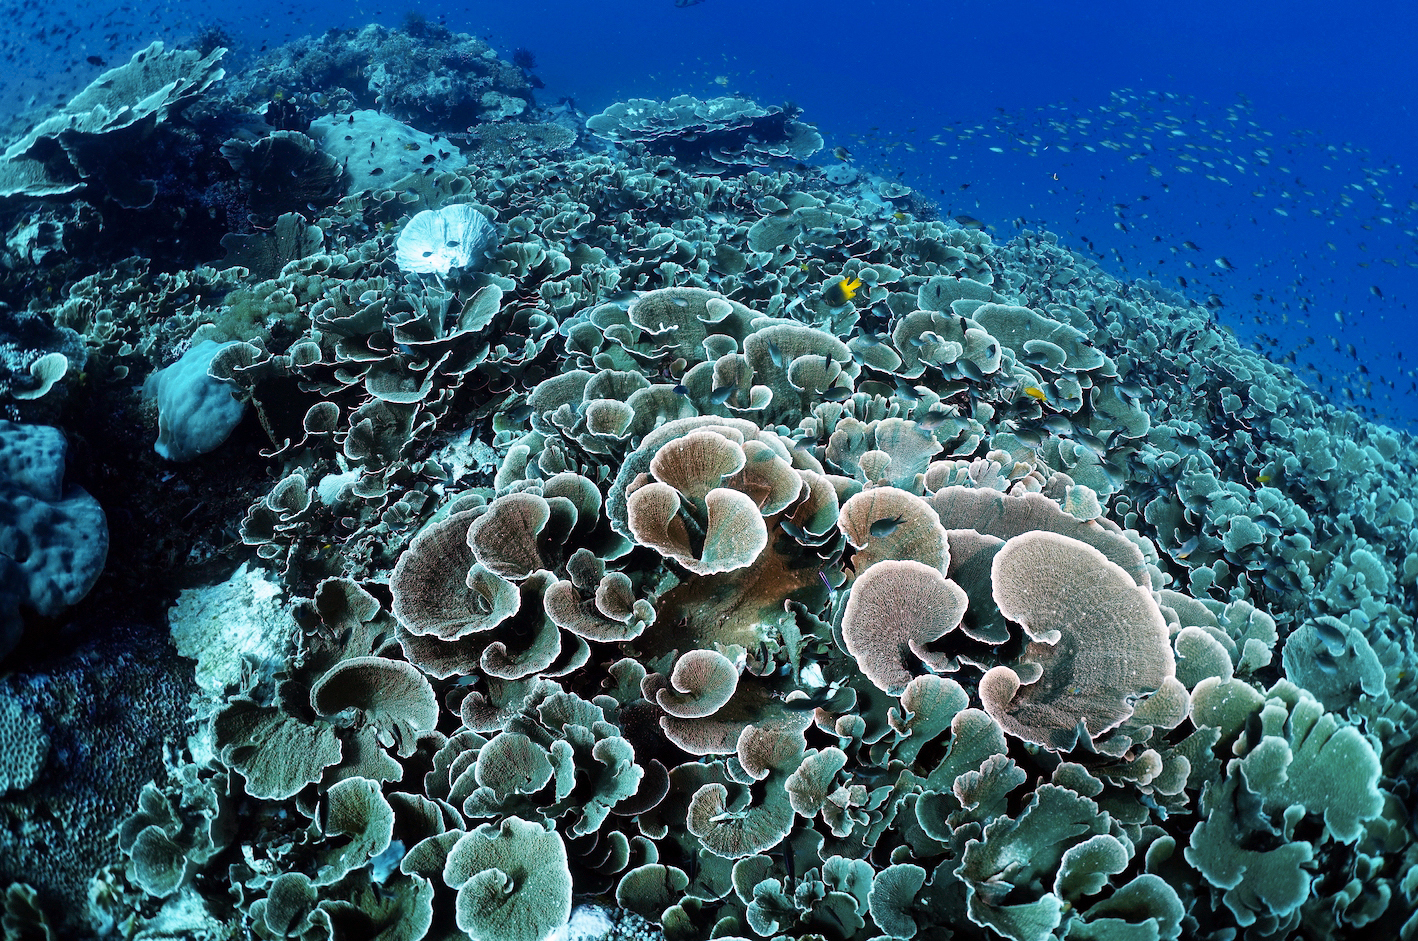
[(882, 528)]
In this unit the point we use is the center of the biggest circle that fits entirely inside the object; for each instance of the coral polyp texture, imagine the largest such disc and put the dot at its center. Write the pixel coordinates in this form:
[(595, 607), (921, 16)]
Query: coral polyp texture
[(629, 564)]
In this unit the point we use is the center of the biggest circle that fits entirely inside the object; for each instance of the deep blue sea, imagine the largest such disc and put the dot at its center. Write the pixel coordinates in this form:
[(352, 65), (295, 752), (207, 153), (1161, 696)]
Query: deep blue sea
[(1257, 157)]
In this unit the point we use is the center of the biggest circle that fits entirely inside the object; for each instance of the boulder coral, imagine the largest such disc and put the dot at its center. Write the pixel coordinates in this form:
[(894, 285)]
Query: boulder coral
[(25, 746), (53, 537)]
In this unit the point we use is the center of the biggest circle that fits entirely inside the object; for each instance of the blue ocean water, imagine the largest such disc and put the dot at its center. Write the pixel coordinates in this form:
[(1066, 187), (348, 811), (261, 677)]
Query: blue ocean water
[(1254, 157)]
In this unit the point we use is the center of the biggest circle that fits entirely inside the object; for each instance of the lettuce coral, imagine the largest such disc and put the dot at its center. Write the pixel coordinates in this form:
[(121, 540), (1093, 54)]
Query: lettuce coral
[(627, 565), (785, 606), (793, 630)]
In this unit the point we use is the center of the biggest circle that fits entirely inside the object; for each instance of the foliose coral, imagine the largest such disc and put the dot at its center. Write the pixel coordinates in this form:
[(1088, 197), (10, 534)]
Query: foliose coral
[(436, 240), (91, 141), (721, 135), (637, 565)]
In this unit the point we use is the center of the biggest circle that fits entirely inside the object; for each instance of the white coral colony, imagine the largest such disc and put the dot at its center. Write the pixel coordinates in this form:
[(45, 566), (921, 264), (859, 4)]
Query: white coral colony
[(434, 241)]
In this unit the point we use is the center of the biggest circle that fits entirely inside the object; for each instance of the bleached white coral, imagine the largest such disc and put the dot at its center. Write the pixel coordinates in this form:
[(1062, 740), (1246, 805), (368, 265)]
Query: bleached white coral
[(587, 923), (437, 240)]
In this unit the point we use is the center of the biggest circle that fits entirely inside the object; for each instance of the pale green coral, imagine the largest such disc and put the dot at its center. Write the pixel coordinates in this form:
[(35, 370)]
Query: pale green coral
[(672, 635)]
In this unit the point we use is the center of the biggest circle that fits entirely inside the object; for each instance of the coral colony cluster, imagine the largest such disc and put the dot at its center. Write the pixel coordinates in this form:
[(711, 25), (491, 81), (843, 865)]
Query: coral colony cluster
[(648, 525)]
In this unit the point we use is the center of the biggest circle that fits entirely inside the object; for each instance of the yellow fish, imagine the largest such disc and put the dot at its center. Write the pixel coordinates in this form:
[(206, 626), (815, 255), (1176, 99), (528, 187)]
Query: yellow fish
[(842, 292), (1034, 392)]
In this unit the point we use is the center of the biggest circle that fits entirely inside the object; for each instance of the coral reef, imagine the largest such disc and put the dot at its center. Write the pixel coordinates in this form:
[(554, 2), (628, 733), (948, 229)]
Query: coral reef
[(109, 711), (688, 532), (435, 79)]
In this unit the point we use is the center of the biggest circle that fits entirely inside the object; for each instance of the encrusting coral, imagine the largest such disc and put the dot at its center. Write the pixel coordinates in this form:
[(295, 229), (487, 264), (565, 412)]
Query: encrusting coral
[(630, 562)]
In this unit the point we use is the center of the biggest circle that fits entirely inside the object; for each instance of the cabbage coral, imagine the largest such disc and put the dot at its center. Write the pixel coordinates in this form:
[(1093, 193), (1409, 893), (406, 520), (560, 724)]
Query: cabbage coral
[(631, 563)]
